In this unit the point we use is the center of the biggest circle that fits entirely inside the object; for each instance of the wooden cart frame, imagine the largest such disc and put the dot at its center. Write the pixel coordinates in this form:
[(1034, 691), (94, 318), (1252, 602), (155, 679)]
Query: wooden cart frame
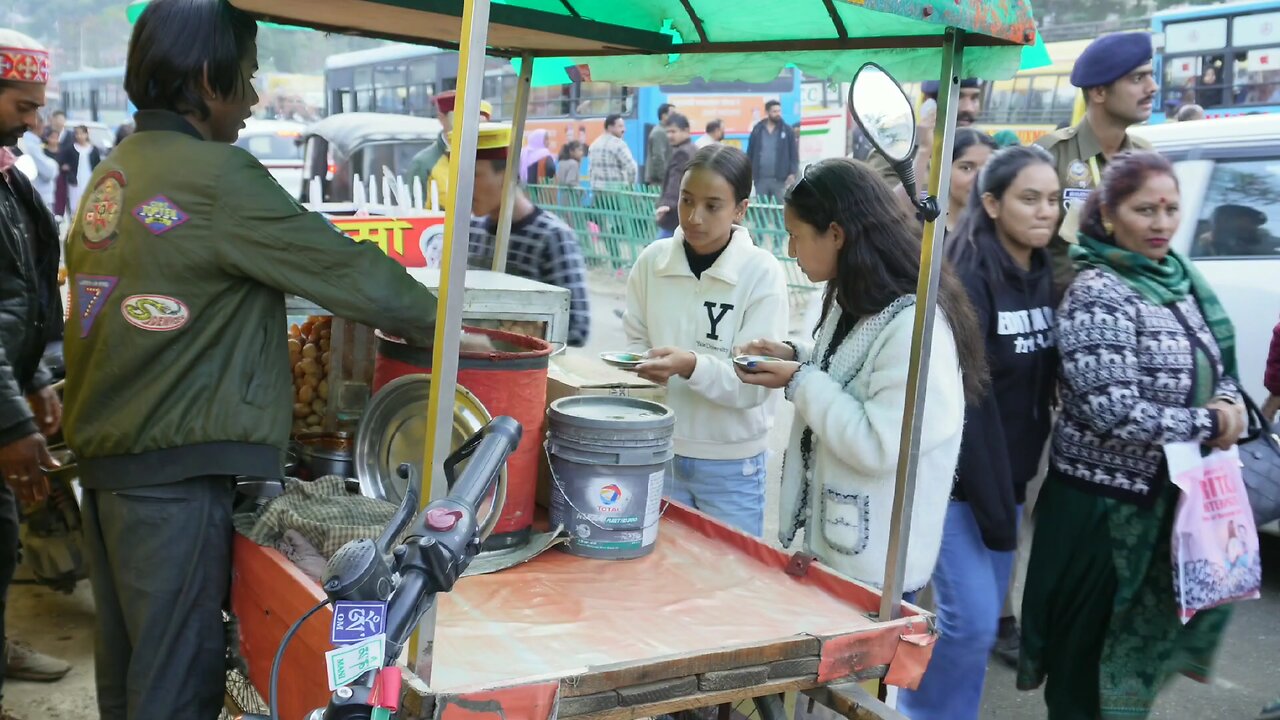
[(929, 32)]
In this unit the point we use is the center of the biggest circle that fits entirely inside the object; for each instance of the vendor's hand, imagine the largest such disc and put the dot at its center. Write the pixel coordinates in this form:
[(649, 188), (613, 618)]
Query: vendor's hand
[(1231, 424), (662, 211), (476, 342), (1271, 407), (20, 464), (772, 348), (48, 410), (664, 362), (771, 375)]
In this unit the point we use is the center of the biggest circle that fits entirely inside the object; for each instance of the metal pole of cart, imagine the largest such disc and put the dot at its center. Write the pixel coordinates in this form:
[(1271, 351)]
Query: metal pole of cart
[(926, 310), (511, 179), (444, 359)]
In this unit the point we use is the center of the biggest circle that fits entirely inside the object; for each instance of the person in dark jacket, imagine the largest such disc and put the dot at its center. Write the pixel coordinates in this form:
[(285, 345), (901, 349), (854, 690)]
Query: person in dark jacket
[(76, 163), (178, 374), (774, 153), (682, 149), (30, 319), (999, 253)]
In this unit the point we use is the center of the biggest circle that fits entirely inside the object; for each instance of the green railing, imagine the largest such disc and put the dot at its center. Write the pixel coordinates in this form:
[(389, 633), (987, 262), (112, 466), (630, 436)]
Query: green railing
[(614, 225)]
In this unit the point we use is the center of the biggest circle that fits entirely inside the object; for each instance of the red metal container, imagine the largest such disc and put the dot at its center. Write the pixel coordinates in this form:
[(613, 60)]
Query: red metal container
[(510, 380)]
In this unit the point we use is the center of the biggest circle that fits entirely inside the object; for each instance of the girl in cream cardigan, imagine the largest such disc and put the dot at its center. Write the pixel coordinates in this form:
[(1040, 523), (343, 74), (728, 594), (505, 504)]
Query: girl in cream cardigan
[(849, 385)]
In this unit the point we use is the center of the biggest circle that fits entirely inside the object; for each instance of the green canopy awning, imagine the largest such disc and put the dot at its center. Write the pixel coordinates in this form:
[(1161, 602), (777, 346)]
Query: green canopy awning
[(135, 8), (675, 41)]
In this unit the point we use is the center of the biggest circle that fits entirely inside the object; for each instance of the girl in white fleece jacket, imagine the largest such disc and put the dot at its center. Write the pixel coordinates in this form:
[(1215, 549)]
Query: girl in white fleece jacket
[(690, 299), (849, 387)]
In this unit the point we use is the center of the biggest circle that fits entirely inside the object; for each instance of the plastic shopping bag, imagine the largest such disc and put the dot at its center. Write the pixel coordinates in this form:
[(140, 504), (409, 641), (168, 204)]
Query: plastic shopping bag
[(1214, 543)]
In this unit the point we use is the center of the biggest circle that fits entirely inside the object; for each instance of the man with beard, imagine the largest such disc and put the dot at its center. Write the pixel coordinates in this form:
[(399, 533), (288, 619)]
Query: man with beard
[(1115, 75), (968, 107), (30, 318)]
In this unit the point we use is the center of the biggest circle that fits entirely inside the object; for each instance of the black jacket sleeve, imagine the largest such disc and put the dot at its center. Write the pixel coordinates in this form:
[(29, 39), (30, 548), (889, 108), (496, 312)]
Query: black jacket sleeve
[(16, 419), (793, 150), (984, 478)]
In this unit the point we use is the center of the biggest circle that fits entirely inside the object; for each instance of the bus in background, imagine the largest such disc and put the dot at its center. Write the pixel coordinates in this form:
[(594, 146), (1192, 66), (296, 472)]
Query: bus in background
[(402, 79), (1034, 102), (1225, 58), (95, 96)]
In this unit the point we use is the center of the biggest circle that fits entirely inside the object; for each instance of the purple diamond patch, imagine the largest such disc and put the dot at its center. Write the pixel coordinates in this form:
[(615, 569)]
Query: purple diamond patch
[(160, 215)]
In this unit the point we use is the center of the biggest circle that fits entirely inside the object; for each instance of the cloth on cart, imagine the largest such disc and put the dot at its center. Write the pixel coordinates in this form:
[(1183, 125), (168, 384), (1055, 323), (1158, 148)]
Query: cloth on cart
[(303, 554), (323, 512)]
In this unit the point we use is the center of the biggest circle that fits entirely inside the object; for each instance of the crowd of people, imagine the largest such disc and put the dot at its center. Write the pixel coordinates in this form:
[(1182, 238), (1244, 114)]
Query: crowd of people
[(1071, 344)]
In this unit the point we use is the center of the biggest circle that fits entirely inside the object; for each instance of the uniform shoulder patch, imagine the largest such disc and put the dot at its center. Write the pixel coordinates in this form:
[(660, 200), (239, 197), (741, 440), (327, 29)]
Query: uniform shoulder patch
[(102, 210), (160, 215), (92, 292)]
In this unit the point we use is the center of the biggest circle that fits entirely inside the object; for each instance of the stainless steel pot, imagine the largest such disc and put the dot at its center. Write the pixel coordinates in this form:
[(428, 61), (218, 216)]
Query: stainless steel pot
[(324, 453)]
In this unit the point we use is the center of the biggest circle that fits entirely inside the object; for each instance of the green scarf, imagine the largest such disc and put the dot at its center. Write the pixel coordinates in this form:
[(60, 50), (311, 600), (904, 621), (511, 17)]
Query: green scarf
[(1162, 283)]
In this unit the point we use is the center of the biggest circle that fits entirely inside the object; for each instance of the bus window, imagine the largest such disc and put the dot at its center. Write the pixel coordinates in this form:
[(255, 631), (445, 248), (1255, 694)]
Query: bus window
[(1181, 76), (549, 101), (1064, 101), (1040, 98), (1257, 77), (602, 98), (998, 100)]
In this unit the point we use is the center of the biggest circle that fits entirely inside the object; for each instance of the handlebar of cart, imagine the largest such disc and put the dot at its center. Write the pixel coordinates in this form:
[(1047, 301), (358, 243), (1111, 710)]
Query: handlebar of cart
[(443, 540)]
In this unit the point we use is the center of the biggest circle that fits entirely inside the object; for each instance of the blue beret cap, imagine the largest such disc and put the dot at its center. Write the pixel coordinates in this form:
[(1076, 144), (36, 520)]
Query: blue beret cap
[(1110, 58), (929, 88)]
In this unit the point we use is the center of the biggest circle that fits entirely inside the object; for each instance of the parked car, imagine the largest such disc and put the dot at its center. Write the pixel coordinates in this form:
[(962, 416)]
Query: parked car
[(278, 146), (1229, 172), (343, 146)]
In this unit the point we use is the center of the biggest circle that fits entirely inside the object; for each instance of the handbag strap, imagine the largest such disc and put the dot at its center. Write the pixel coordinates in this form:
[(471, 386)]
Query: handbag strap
[(1258, 427)]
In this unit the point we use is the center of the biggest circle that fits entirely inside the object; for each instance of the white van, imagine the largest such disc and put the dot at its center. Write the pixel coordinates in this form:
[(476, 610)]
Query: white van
[(1229, 171)]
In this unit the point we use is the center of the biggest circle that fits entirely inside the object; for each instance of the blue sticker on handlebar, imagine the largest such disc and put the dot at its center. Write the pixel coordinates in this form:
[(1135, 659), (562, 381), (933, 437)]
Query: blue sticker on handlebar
[(355, 621)]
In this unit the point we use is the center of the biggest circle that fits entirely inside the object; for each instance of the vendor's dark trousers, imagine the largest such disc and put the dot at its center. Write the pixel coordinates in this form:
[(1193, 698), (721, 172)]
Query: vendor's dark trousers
[(160, 563), (8, 561)]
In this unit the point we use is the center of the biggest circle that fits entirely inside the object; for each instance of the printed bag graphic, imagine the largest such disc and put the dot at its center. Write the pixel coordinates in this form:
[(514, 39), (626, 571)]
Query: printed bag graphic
[(1214, 544)]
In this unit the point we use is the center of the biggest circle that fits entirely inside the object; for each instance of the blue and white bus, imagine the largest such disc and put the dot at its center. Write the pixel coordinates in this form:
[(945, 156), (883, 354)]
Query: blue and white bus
[(397, 78), (95, 96), (1225, 58)]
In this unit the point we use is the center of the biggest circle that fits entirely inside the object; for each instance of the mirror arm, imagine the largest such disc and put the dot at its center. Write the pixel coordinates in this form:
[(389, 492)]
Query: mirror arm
[(926, 206)]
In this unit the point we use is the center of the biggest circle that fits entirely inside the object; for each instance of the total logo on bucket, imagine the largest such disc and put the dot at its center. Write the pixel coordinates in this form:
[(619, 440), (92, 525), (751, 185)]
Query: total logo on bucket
[(612, 500)]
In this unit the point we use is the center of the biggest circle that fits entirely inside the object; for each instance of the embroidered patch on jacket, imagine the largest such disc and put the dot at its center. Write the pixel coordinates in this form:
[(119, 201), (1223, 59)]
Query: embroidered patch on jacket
[(157, 313), (92, 292), (160, 215), (102, 211)]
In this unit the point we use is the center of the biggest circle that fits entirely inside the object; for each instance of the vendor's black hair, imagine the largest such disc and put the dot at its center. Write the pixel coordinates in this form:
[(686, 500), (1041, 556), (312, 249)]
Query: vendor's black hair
[(729, 163), (610, 120), (663, 110), (880, 259), (714, 125), (176, 44)]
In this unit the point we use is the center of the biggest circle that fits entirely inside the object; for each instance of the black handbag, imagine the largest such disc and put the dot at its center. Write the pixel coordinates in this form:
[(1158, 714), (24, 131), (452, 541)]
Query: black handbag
[(1260, 464)]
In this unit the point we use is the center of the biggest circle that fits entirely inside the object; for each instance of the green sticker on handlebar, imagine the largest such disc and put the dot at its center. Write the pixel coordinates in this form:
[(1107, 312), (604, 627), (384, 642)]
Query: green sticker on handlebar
[(345, 665)]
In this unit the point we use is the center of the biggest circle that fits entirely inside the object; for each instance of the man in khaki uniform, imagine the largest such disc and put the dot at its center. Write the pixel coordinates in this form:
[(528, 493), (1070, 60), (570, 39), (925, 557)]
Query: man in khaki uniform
[(1115, 74)]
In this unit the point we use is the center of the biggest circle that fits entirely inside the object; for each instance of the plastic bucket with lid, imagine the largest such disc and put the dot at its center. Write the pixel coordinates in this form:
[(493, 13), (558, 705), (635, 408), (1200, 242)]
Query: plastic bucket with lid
[(610, 458), (509, 380)]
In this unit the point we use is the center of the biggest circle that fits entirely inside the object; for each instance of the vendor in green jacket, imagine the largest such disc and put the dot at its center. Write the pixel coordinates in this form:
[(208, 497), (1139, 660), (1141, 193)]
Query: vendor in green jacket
[(178, 373)]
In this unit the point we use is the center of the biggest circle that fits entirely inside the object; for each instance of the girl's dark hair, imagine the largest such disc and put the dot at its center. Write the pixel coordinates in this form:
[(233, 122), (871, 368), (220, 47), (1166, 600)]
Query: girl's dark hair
[(566, 150), (174, 42), (967, 138), (975, 243), (729, 163), (1124, 176), (880, 259)]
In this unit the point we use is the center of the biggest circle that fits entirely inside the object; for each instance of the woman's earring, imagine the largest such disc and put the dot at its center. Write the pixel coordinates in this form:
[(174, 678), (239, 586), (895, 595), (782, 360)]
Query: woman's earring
[(1106, 225)]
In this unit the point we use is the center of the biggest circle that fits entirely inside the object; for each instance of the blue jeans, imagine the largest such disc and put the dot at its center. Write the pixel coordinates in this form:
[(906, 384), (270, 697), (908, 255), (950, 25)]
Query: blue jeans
[(731, 491), (969, 583)]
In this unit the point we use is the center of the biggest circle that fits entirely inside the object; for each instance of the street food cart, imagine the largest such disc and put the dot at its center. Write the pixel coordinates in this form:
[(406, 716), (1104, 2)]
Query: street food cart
[(563, 636)]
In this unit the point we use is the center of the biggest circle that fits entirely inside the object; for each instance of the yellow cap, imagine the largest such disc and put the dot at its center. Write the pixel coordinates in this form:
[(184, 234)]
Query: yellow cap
[(494, 141), (486, 109)]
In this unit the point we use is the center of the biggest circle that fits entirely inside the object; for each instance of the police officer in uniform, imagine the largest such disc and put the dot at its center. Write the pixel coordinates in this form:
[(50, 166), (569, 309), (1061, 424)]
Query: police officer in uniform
[(1115, 74), (178, 377)]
